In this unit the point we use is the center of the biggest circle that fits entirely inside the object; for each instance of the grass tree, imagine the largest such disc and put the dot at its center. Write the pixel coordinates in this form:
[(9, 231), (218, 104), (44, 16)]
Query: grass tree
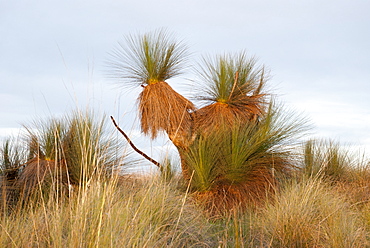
[(148, 61), (74, 149), (234, 146)]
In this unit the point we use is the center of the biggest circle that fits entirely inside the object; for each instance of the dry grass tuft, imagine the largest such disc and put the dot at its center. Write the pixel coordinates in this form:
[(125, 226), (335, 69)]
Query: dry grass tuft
[(310, 214), (356, 186)]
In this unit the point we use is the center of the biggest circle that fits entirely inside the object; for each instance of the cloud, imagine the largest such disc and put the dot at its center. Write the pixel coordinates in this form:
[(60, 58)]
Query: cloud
[(53, 54)]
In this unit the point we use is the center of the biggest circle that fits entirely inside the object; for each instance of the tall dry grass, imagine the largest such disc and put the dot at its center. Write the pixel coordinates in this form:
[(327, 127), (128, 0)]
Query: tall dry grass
[(150, 211), (130, 213), (311, 213)]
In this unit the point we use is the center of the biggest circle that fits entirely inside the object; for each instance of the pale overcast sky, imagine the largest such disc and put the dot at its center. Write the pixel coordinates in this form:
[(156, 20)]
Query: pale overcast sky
[(53, 54)]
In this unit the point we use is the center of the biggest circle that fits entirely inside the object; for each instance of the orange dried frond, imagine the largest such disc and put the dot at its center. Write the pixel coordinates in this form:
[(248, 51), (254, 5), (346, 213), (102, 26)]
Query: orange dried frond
[(211, 117), (227, 197), (41, 172), (163, 109)]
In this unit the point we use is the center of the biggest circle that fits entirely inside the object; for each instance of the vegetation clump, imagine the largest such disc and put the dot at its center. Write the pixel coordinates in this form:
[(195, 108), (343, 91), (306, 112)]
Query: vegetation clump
[(59, 153)]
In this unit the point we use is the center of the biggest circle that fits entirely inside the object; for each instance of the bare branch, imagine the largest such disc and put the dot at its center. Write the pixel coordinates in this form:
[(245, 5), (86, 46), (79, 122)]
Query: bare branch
[(133, 146)]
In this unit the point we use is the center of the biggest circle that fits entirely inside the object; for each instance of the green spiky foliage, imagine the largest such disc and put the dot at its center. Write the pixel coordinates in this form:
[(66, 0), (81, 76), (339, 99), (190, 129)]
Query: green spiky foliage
[(12, 157), (11, 154), (150, 60), (238, 166), (232, 90), (45, 140), (88, 149), (326, 159)]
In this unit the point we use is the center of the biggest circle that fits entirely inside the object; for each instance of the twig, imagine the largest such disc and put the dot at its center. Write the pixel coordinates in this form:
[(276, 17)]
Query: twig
[(133, 146)]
